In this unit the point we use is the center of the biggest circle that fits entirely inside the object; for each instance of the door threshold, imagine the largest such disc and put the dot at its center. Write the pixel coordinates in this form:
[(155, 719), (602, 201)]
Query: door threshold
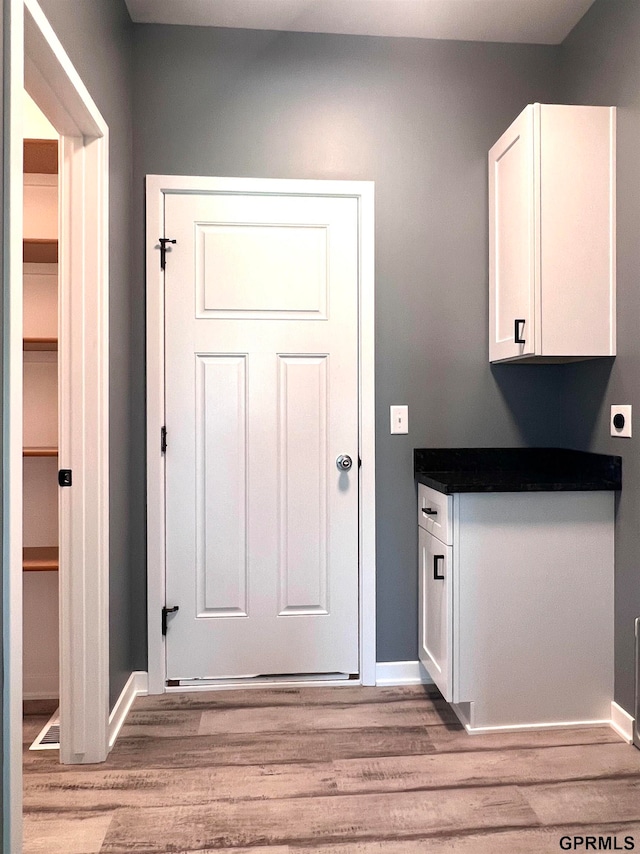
[(318, 680)]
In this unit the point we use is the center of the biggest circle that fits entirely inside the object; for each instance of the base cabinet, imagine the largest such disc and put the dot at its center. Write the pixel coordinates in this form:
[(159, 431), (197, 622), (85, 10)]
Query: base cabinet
[(516, 611)]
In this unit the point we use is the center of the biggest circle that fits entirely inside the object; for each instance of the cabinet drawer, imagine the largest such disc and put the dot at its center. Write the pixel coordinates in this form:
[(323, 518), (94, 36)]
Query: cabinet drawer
[(435, 512)]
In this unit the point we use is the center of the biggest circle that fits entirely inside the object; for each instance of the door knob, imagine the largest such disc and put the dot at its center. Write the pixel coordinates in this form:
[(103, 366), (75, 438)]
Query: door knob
[(344, 462)]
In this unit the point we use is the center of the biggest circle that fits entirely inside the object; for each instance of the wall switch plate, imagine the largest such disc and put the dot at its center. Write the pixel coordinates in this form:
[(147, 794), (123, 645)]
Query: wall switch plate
[(620, 421), (399, 417)]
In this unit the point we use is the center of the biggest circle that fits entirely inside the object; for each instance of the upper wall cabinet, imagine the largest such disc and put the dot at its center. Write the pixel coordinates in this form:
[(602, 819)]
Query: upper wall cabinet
[(552, 261)]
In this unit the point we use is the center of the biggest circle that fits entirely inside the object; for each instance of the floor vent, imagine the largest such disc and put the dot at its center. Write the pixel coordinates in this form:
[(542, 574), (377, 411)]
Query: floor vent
[(49, 736)]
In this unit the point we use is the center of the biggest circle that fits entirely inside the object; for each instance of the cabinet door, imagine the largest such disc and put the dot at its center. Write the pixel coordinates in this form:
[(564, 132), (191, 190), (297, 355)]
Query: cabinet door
[(577, 231), (512, 243), (436, 610)]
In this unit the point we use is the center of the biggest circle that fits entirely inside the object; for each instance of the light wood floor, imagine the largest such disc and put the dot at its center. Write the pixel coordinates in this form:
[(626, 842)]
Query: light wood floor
[(339, 771)]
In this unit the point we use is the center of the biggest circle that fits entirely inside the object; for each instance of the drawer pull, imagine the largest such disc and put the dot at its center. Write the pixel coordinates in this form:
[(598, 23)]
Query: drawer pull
[(429, 512), (437, 577), (517, 332)]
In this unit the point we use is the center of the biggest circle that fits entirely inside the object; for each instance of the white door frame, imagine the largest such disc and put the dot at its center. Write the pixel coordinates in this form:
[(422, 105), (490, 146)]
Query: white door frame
[(157, 187), (36, 56)]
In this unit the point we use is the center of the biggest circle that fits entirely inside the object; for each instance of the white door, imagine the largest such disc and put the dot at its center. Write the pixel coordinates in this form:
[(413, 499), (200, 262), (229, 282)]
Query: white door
[(435, 611), (261, 331), (512, 241)]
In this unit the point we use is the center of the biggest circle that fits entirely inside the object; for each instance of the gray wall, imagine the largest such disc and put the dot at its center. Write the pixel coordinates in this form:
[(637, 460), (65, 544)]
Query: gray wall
[(97, 36), (600, 64), (418, 118)]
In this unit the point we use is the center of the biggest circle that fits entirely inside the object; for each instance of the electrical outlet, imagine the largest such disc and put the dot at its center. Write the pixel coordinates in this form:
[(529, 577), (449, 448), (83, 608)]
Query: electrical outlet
[(620, 421), (399, 418)]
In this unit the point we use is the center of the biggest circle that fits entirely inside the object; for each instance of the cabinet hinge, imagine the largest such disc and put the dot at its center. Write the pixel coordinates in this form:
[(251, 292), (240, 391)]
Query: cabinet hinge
[(163, 241), (163, 440)]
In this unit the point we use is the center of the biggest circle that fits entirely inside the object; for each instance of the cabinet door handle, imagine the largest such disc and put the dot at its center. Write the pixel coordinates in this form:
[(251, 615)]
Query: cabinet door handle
[(437, 577), (429, 512), (517, 332)]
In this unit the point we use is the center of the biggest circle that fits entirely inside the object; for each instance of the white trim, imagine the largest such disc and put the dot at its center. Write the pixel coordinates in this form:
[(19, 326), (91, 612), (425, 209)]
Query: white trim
[(155, 421), (52, 79), (264, 682), (464, 713), (613, 247), (157, 186), (41, 695), (55, 86), (13, 62), (367, 377), (402, 673), (83, 448), (137, 685), (517, 727), (622, 722)]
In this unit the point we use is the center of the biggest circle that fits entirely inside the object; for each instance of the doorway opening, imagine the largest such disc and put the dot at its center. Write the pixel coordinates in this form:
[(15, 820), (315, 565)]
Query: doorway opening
[(40, 636), (35, 61)]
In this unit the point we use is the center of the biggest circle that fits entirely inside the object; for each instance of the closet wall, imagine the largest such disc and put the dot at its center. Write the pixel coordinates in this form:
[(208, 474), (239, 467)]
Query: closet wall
[(40, 440)]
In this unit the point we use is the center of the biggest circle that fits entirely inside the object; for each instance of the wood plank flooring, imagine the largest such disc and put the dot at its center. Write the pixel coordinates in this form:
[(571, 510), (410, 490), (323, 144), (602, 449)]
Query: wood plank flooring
[(334, 770)]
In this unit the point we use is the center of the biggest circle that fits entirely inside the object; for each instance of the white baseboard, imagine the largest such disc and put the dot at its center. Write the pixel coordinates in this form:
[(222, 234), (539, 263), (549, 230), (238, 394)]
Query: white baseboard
[(401, 673), (41, 687), (44, 694), (622, 722), (137, 685), (542, 725)]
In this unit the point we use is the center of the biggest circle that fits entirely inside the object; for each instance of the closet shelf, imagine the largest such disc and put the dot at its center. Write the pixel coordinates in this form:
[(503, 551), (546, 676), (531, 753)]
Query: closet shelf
[(41, 156), (36, 251), (33, 343), (40, 559), (40, 451)]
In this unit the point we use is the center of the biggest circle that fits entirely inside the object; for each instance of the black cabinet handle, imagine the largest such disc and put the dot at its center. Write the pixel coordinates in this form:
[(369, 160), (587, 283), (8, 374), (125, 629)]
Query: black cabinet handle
[(517, 332), (429, 512), (437, 577)]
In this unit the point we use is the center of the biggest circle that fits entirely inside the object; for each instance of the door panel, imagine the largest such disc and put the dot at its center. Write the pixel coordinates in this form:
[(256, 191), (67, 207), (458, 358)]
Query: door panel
[(512, 240), (221, 468), (294, 258), (435, 614), (302, 422), (261, 332)]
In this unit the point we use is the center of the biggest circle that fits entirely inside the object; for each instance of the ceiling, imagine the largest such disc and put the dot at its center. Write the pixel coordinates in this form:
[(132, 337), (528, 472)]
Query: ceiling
[(530, 21)]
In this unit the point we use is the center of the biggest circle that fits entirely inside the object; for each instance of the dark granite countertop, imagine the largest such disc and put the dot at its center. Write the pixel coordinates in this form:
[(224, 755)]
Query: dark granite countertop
[(515, 470)]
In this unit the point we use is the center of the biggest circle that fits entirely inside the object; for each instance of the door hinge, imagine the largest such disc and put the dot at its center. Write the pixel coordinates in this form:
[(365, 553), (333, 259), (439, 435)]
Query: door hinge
[(65, 477), (163, 440), (165, 613), (163, 250)]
